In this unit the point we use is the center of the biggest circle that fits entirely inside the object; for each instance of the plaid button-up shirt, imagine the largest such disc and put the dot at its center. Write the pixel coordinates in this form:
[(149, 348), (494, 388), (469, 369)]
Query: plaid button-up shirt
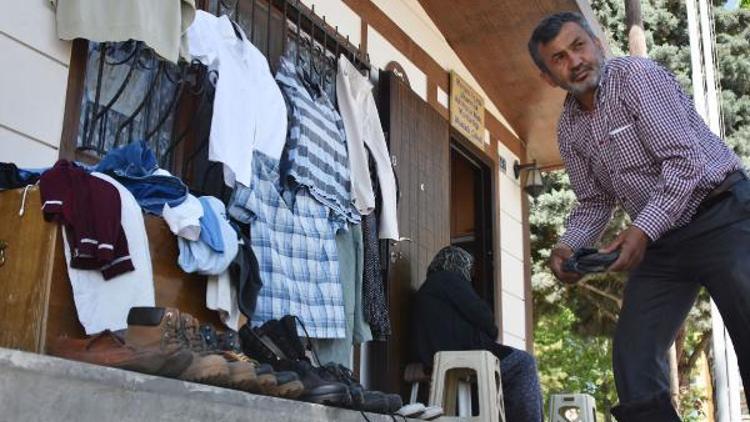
[(295, 243), (643, 147)]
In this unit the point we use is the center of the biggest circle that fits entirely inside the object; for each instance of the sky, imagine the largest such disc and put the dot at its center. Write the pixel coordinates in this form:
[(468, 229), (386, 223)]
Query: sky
[(732, 4)]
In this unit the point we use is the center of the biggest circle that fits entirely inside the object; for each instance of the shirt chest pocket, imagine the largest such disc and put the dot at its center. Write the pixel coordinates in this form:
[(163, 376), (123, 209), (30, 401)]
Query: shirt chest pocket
[(628, 150)]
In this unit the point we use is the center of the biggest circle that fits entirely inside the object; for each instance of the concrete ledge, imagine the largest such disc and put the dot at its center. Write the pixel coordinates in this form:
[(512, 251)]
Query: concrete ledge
[(43, 388)]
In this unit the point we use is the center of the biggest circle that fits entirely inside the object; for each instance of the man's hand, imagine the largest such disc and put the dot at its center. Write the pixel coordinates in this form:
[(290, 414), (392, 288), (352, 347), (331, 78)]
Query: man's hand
[(559, 254), (632, 244)]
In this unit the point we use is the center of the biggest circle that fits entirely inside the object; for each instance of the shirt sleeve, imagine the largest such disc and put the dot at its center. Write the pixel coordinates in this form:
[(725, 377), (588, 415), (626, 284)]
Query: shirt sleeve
[(655, 99), (590, 216)]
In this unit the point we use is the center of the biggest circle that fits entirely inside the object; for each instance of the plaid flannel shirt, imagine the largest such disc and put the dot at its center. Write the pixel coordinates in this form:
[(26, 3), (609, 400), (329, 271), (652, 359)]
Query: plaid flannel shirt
[(294, 241), (643, 147)]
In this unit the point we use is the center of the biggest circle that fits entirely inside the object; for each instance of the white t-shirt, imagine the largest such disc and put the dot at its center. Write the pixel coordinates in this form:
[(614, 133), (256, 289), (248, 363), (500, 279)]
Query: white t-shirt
[(249, 112), (104, 304), (221, 296)]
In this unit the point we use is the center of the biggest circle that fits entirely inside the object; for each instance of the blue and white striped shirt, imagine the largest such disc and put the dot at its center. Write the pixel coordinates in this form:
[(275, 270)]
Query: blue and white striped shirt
[(315, 155)]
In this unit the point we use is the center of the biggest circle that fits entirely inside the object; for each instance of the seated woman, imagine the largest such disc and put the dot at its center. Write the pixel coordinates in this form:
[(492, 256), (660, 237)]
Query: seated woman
[(449, 315)]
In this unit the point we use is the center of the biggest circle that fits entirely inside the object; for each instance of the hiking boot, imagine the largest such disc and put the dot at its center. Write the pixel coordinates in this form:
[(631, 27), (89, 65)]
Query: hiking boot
[(238, 374), (242, 373), (107, 349), (288, 385), (163, 328), (156, 329), (228, 340)]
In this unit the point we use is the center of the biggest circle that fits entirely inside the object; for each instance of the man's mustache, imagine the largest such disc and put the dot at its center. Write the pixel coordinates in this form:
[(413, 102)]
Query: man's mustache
[(577, 71)]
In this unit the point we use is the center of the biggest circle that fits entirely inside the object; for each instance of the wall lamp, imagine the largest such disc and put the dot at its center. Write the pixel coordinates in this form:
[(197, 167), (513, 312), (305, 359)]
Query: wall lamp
[(534, 184)]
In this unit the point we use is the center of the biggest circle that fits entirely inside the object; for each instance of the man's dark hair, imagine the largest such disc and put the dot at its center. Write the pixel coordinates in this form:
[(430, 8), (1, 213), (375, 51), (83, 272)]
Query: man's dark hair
[(549, 28)]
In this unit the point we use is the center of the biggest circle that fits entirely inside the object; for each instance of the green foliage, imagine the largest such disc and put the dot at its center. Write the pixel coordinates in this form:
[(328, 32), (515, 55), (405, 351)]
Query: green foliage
[(570, 363), (574, 324), (745, 4)]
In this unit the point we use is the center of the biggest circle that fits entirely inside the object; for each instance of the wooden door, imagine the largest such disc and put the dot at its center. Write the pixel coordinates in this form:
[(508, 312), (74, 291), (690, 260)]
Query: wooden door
[(419, 145)]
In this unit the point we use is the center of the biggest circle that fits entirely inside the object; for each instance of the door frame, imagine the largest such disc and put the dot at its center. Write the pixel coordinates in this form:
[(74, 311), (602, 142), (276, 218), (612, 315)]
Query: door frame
[(484, 159)]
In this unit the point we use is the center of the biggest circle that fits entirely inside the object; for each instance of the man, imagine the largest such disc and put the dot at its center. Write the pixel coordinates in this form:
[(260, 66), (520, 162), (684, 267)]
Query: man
[(450, 315), (629, 135)]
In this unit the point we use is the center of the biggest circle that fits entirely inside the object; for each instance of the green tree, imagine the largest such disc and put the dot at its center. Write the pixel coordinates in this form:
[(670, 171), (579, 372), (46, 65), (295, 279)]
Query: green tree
[(573, 319)]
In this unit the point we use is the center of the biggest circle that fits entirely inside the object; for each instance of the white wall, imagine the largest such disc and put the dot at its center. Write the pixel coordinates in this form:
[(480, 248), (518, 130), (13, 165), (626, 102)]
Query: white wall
[(33, 81), (339, 14), (383, 52), (511, 253)]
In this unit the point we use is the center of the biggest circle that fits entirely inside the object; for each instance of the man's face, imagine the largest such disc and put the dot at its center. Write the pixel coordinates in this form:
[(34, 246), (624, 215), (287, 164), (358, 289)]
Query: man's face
[(574, 60)]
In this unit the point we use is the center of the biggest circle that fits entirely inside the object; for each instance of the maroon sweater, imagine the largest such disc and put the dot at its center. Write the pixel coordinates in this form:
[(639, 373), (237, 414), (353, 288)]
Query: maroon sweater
[(89, 208)]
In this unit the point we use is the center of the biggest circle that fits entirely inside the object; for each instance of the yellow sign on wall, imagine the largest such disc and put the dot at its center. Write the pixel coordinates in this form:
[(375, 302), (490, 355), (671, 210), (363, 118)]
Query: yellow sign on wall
[(467, 110)]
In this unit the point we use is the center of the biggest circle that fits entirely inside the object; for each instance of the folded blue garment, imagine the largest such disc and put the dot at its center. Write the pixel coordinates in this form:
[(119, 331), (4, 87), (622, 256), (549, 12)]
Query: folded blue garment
[(135, 167), (210, 230), (199, 257)]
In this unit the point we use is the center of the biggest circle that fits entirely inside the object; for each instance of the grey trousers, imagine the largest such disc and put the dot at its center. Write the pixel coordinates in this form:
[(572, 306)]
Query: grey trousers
[(712, 251)]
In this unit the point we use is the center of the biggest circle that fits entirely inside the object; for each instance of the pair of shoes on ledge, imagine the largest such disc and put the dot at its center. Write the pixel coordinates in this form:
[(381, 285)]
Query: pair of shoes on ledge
[(166, 342)]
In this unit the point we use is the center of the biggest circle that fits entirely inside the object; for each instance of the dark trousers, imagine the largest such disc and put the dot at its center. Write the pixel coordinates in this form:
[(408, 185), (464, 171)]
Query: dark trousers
[(713, 251)]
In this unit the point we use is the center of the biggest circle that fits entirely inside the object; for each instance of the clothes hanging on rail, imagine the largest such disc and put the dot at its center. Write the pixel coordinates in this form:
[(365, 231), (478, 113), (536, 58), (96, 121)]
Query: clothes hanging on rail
[(158, 23), (349, 246), (294, 241), (374, 301), (103, 304), (362, 125), (249, 113), (315, 155)]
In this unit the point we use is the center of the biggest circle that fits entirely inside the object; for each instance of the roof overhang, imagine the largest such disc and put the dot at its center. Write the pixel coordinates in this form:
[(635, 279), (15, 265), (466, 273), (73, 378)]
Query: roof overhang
[(490, 37)]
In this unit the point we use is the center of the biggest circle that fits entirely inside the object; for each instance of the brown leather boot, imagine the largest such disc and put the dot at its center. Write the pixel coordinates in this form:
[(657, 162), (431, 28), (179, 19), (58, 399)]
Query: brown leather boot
[(161, 328), (107, 349), (239, 375)]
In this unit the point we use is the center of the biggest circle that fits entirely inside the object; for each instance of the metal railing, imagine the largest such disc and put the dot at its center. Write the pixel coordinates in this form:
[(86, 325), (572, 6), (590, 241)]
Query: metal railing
[(132, 94)]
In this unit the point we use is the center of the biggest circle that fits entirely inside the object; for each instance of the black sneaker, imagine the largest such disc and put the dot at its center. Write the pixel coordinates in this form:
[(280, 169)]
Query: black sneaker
[(394, 402), (376, 402), (317, 389), (342, 374), (277, 333), (253, 346), (289, 323)]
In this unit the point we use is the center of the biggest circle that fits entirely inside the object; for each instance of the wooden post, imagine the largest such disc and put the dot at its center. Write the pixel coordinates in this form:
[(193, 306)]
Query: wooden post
[(636, 34)]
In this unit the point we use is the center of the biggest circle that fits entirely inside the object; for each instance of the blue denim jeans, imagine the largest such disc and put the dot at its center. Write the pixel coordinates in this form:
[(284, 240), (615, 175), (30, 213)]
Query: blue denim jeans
[(135, 167), (522, 395)]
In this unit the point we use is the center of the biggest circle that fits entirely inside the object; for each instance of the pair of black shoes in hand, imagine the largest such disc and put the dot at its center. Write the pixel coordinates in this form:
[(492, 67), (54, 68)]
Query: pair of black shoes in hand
[(589, 260)]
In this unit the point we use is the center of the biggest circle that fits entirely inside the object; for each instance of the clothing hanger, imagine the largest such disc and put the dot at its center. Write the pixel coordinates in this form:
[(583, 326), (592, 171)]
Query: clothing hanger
[(237, 30)]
